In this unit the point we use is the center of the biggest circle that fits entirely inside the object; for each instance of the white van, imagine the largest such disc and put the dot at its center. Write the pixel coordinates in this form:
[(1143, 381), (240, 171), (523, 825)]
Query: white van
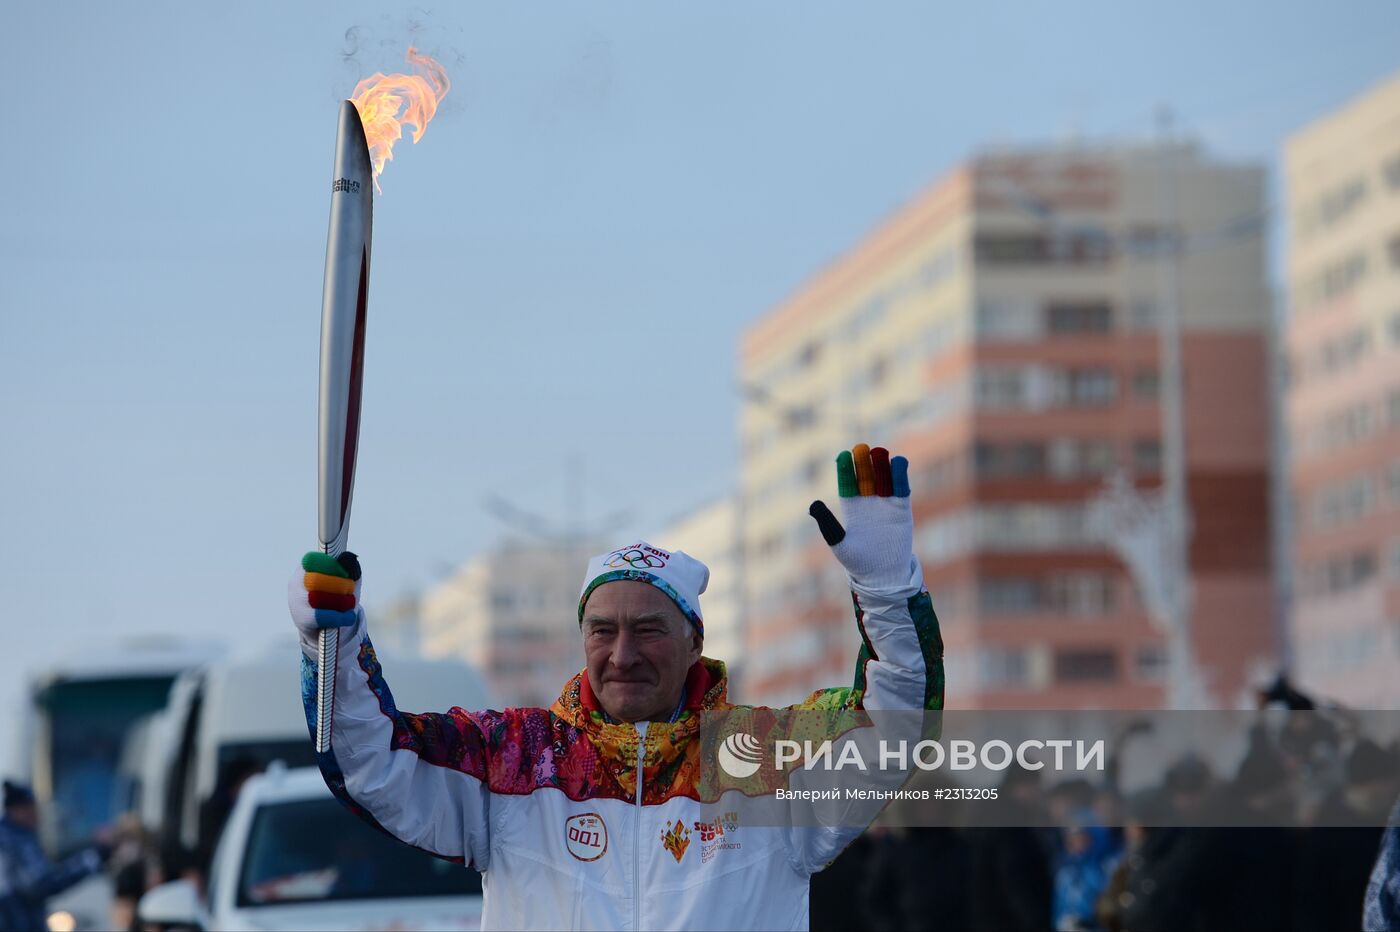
[(291, 857), (250, 709)]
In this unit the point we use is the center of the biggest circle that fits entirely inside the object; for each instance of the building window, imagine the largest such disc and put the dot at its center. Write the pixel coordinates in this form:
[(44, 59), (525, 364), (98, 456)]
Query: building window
[(1091, 388), (938, 268), (940, 474), (1072, 458), (1342, 353), (1001, 388), (1009, 460), (1391, 171), (1393, 249), (1151, 240), (1079, 594), (1032, 526), (1335, 281), (1086, 666), (1142, 314), (1070, 247), (1146, 384), (1011, 248), (1008, 596), (809, 354), (1147, 456), (799, 417), (1002, 667), (879, 368), (1339, 574), (1006, 320), (1150, 663), (1079, 317), (1339, 202), (1342, 277), (1350, 425), (1065, 594), (1344, 502)]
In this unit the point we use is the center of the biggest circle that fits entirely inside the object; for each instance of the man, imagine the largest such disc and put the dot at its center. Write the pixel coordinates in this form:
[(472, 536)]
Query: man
[(27, 877), (580, 816)]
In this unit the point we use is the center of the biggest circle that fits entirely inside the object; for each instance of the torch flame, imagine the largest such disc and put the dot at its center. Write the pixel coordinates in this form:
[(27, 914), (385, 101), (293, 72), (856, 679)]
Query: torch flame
[(387, 102)]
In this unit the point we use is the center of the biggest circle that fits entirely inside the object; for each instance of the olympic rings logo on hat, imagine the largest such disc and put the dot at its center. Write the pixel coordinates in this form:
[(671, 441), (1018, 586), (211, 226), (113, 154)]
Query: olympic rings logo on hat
[(635, 558)]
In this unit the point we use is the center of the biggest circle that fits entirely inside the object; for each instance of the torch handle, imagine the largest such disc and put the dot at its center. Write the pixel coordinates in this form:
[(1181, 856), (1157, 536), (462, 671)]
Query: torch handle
[(329, 657), (327, 660)]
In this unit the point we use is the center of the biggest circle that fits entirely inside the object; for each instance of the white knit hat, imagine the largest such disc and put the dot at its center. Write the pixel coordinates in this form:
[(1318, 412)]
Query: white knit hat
[(679, 575)]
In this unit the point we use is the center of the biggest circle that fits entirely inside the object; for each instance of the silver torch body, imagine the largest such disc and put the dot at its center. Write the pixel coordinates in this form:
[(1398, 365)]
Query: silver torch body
[(344, 303)]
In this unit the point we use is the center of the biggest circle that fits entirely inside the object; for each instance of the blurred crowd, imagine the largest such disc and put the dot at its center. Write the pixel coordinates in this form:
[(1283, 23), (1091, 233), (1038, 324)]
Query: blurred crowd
[(1289, 841)]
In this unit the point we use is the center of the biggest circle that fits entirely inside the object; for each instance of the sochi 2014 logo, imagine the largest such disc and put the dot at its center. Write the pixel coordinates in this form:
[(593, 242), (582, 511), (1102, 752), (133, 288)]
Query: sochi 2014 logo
[(740, 755), (637, 557)]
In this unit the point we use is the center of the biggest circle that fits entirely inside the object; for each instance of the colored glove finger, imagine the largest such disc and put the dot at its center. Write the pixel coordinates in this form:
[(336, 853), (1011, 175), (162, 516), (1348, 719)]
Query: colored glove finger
[(865, 472), (880, 462), (331, 600), (832, 531), (899, 476), (320, 582), (325, 618), (846, 475), (351, 564), (318, 562)]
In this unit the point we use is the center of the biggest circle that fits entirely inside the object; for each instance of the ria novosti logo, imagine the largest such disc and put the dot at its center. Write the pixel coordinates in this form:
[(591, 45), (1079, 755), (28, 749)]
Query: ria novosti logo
[(740, 755)]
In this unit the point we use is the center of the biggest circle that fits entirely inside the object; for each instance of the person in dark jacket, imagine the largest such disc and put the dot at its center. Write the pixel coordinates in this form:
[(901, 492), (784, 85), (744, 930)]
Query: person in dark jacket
[(1335, 856), (27, 877), (1009, 884)]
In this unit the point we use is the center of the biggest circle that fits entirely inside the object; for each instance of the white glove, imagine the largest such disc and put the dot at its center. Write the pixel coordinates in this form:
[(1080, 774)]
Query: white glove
[(324, 592), (876, 544)]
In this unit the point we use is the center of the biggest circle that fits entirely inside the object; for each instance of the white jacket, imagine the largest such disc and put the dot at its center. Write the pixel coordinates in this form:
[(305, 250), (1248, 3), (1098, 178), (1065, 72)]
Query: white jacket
[(547, 805)]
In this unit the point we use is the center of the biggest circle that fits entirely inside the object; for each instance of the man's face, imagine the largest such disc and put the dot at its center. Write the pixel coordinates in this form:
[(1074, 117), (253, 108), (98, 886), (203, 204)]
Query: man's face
[(639, 648)]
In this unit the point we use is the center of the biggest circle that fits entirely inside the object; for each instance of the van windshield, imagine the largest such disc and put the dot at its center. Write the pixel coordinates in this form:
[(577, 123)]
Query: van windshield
[(313, 850)]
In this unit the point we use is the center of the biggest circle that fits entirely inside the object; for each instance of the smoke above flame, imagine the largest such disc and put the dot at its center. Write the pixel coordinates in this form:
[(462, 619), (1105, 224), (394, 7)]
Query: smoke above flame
[(389, 101)]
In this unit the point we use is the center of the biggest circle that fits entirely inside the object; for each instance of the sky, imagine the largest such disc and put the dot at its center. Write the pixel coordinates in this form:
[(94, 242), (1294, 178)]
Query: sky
[(562, 267)]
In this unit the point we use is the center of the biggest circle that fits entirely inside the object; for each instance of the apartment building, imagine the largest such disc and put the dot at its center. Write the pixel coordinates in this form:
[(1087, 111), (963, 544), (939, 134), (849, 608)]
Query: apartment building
[(513, 613), (710, 534), (1342, 177), (1001, 330)]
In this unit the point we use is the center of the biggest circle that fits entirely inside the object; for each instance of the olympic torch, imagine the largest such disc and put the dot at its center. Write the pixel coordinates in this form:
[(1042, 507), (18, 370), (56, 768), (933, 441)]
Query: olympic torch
[(344, 302), (370, 123)]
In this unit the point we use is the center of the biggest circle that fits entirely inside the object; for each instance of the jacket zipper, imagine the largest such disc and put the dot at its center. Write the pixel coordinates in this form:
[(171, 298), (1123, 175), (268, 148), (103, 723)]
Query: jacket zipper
[(637, 832)]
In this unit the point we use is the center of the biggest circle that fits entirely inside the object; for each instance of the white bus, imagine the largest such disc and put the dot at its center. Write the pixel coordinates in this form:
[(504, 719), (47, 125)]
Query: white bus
[(81, 717)]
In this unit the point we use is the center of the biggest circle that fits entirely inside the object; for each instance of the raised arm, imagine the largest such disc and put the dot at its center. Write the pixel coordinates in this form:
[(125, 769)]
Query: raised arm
[(34, 878), (421, 778), (900, 661)]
